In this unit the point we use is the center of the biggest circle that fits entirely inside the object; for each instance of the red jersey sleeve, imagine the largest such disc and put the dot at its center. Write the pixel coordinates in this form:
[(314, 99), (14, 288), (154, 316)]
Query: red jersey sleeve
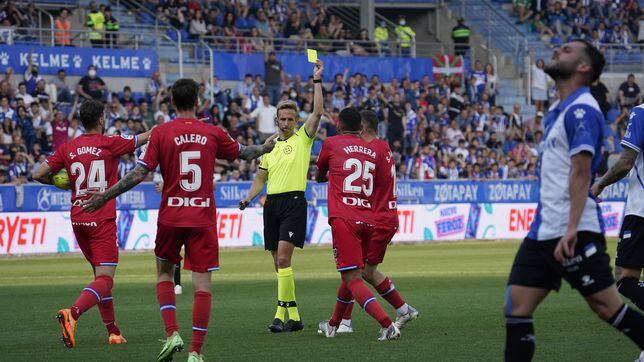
[(55, 161), (323, 159), (122, 145), (150, 159), (227, 147)]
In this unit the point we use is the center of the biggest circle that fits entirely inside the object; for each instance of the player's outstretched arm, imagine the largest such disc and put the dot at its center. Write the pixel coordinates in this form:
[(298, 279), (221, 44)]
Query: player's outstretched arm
[(255, 188), (313, 122), (43, 174), (252, 152), (143, 138), (130, 180), (620, 169)]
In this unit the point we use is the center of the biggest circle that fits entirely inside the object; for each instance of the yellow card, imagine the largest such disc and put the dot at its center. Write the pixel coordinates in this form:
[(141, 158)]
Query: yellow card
[(312, 54)]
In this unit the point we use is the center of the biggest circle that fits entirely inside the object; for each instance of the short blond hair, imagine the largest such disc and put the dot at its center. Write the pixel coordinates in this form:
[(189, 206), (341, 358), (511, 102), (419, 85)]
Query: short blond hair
[(288, 104)]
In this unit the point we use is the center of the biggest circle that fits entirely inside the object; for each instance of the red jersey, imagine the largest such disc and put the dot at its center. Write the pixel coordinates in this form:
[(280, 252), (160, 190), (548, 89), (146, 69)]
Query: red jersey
[(351, 163), (186, 150), (91, 161), (60, 133), (384, 195)]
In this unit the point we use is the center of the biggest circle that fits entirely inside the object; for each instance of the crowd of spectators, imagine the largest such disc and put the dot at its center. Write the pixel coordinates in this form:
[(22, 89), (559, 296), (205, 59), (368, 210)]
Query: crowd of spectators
[(437, 129), (13, 17), (601, 22), (257, 22)]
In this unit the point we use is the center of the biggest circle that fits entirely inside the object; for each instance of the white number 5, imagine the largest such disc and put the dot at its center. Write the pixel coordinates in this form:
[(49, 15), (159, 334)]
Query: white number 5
[(190, 168), (359, 171)]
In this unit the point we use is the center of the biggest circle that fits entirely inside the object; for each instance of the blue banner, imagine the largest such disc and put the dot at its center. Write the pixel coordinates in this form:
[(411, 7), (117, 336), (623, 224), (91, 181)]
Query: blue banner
[(234, 66), (109, 62), (227, 194)]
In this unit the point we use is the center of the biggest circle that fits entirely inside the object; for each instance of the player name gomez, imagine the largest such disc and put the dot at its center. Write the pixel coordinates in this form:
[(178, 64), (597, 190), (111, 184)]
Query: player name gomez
[(190, 138), (85, 150)]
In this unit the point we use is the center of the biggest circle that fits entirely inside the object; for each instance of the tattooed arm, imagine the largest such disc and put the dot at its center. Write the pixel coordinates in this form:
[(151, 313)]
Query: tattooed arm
[(251, 152), (130, 180), (620, 169)]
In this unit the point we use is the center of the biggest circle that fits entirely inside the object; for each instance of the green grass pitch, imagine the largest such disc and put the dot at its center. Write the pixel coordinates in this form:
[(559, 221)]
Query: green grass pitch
[(457, 287)]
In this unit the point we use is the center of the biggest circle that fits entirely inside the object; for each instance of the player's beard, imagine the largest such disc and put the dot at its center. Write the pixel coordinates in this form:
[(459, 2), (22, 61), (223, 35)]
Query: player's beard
[(559, 70)]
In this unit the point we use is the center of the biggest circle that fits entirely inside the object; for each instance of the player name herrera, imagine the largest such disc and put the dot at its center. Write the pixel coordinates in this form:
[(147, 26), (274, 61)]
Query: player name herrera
[(360, 149), (190, 138)]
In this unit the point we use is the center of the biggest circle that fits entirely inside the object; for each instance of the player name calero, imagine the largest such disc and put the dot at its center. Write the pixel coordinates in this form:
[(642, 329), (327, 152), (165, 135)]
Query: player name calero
[(190, 138)]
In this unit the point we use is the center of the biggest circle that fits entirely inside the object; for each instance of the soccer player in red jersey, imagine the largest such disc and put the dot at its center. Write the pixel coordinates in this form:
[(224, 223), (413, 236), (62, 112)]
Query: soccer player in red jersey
[(351, 164), (91, 161), (386, 216), (185, 149)]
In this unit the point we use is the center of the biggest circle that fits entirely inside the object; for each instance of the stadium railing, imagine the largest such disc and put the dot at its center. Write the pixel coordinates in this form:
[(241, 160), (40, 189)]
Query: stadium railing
[(623, 58)]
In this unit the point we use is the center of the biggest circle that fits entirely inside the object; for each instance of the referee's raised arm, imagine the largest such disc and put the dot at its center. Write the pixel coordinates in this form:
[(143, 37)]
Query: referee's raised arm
[(313, 122)]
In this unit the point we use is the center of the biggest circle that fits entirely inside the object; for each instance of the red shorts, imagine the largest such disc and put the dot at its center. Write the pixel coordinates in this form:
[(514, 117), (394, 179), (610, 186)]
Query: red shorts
[(201, 244), (97, 241), (380, 239), (350, 243)]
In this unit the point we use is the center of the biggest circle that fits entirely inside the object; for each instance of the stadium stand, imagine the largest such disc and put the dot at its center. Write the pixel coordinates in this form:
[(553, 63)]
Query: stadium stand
[(476, 126)]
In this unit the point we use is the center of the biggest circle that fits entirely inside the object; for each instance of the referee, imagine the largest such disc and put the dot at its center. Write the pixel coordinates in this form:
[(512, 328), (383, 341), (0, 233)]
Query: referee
[(285, 211)]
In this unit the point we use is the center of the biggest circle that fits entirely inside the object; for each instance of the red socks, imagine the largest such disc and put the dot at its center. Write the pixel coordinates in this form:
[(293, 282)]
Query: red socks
[(363, 295), (347, 311), (106, 308), (200, 318), (167, 305), (92, 295), (341, 305), (389, 293)]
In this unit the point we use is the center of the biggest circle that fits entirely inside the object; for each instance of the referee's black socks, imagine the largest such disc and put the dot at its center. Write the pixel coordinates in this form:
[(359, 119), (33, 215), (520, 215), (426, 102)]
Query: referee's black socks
[(632, 289), (631, 323), (519, 339)]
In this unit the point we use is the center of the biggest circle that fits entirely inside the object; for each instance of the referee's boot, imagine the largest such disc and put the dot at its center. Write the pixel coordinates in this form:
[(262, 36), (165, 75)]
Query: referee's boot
[(277, 326), (293, 326)]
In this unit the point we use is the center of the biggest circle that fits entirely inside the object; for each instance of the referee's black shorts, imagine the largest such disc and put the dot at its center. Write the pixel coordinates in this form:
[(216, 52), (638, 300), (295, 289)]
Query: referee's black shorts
[(285, 219)]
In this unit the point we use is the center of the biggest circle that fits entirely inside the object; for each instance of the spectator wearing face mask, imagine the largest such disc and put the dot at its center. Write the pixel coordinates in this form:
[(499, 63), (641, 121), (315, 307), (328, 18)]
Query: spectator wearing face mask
[(405, 36), (92, 86)]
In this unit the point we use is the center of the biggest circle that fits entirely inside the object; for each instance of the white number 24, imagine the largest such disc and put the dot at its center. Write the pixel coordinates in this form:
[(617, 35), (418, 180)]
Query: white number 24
[(96, 180)]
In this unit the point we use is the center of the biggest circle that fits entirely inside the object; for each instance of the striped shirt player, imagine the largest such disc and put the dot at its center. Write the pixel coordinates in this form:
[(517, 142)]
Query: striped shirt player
[(630, 250), (573, 125), (629, 259), (566, 238)]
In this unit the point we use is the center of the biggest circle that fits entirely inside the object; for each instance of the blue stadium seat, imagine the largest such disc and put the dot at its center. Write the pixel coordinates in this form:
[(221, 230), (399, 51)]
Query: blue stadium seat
[(172, 34)]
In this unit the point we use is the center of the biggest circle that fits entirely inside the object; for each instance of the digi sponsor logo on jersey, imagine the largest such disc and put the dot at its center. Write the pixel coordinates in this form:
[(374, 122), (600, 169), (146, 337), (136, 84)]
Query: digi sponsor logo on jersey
[(174, 201), (356, 201), (451, 222), (521, 219), (17, 232)]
